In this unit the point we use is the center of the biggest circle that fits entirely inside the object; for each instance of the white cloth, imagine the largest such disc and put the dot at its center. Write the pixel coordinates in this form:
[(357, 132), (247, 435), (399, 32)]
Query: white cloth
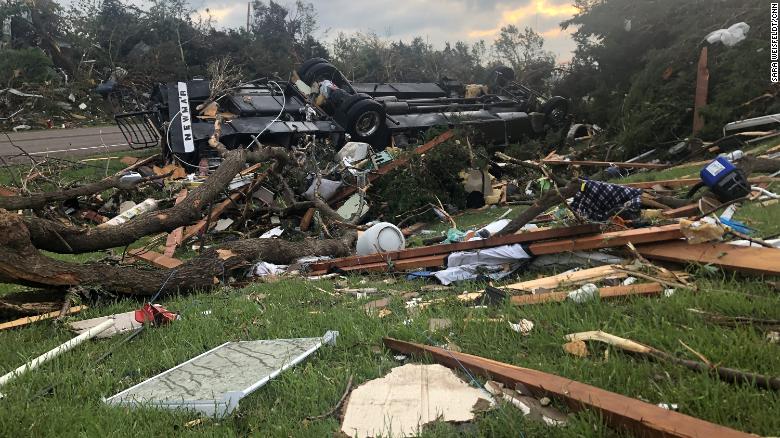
[(467, 265), (489, 256), (261, 269), (729, 37), (470, 272)]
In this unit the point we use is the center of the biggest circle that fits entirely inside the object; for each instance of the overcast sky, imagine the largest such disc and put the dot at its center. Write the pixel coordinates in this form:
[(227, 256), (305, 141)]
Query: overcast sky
[(436, 20)]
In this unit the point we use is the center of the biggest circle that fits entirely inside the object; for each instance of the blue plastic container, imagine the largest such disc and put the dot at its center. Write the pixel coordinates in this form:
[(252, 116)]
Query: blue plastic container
[(714, 172)]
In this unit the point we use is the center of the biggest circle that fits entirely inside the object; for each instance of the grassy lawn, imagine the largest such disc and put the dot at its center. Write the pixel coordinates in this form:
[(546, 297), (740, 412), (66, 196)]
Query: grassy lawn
[(297, 308)]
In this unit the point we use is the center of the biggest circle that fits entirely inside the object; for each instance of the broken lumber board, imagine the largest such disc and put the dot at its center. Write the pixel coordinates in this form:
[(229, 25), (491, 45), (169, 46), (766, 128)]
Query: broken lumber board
[(348, 191), (383, 258), (174, 239), (413, 228), (437, 260), (684, 211), (702, 86), (684, 182), (604, 293), (609, 240), (217, 210), (619, 411), (751, 260), (31, 319), (605, 164), (575, 277), (155, 258)]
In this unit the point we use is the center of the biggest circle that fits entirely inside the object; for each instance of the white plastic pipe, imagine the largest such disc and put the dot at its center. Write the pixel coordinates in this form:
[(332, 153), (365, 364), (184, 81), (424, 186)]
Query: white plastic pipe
[(765, 192), (51, 354)]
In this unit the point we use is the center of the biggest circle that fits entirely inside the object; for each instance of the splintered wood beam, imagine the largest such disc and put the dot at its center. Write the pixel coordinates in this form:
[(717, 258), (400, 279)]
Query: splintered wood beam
[(553, 233), (174, 239), (702, 85), (619, 412), (726, 374), (604, 293), (684, 182), (750, 260), (605, 164), (576, 277), (609, 240), (216, 211), (155, 258), (31, 319), (436, 255), (684, 211)]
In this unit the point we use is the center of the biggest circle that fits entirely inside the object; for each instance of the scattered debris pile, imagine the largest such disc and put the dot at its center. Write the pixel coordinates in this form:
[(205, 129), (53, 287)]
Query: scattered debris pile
[(262, 180)]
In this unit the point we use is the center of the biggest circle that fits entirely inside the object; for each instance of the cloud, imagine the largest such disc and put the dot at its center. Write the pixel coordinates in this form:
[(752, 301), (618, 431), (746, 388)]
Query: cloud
[(436, 21), (523, 15)]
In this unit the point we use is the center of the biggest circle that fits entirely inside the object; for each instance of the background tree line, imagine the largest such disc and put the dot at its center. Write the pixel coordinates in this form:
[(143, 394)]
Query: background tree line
[(633, 71)]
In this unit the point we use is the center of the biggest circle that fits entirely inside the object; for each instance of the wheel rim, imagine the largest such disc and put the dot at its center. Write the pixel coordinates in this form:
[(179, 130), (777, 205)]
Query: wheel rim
[(557, 115), (367, 124)]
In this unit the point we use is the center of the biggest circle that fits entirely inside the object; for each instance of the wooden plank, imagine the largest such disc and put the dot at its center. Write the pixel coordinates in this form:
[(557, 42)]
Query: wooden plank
[(751, 260), (609, 240), (684, 211), (684, 182), (574, 277), (432, 256), (530, 236), (7, 191), (413, 228), (431, 261), (155, 258), (307, 218), (174, 239), (702, 85), (605, 164), (216, 211), (619, 411), (604, 293), (31, 319), (348, 191)]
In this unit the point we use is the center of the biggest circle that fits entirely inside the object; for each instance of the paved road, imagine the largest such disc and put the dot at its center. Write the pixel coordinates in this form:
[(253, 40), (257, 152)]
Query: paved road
[(64, 142)]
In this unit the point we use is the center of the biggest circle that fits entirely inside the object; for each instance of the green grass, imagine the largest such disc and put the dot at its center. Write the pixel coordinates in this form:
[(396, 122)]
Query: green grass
[(296, 308)]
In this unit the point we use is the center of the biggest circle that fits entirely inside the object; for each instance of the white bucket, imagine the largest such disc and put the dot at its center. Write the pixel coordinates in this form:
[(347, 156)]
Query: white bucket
[(382, 237)]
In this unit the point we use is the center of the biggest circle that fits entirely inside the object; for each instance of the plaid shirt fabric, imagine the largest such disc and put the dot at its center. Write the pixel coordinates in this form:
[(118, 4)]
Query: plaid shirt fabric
[(599, 200)]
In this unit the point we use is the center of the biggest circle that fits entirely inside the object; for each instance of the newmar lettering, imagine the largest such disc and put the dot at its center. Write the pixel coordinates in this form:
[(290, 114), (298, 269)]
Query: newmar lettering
[(186, 118)]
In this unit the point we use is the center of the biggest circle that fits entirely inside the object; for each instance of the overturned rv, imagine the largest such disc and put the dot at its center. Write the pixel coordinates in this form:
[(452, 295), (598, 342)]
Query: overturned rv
[(319, 101)]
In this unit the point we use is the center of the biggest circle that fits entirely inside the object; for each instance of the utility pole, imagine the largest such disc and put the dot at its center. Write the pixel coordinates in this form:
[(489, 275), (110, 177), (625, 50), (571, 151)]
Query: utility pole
[(248, 5)]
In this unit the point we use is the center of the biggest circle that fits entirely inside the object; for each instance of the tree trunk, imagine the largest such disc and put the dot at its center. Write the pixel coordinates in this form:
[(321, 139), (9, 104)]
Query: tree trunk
[(56, 237), (22, 263), (38, 200), (548, 200)]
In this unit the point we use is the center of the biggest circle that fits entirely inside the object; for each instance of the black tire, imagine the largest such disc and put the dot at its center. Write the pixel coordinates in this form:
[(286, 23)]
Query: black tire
[(352, 100), (365, 122), (320, 71), (556, 111), (500, 76), (308, 64)]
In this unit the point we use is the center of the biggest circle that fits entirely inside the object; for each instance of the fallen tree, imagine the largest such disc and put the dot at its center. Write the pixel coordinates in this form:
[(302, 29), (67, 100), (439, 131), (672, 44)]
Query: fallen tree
[(24, 237), (22, 263)]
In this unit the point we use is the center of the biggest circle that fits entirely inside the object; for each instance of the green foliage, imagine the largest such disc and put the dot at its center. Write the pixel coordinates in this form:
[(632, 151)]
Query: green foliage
[(426, 178), (365, 57), (640, 82), (25, 65)]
